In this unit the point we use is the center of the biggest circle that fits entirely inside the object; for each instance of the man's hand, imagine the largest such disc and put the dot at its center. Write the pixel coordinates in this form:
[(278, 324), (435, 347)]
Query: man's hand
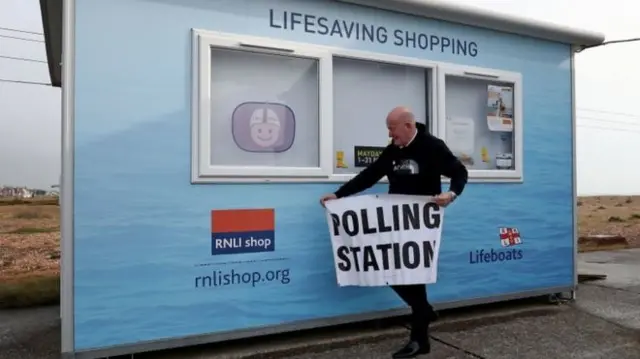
[(444, 199), (327, 197)]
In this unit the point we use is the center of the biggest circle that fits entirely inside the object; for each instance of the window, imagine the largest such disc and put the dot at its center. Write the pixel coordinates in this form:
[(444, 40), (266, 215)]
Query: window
[(261, 110), (480, 119), (278, 111), (364, 91)]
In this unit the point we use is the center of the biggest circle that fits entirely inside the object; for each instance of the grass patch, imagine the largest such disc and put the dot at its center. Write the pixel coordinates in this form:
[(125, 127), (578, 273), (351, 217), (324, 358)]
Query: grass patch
[(30, 291), (30, 214), (44, 201), (635, 216), (32, 230)]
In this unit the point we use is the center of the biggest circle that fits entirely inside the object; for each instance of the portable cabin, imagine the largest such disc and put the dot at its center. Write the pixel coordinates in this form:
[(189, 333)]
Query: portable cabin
[(198, 136)]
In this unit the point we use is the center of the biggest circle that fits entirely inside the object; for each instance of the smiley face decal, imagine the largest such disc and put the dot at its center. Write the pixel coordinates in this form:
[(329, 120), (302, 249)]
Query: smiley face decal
[(263, 127)]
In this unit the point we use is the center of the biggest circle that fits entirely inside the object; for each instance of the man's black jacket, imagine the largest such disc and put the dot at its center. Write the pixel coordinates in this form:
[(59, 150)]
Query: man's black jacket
[(415, 169)]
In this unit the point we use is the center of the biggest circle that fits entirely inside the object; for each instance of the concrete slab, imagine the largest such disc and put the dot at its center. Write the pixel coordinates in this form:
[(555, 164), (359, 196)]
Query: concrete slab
[(383, 350), (564, 333), (622, 267), (633, 289), (618, 306), (623, 256)]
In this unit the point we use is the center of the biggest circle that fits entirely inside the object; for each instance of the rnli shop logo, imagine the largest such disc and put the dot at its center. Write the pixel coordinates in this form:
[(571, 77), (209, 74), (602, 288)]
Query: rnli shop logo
[(236, 231), (510, 241)]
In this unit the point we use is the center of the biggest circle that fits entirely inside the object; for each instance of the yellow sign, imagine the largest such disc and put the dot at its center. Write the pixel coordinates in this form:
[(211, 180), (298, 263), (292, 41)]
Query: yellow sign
[(340, 160), (484, 154), (363, 156)]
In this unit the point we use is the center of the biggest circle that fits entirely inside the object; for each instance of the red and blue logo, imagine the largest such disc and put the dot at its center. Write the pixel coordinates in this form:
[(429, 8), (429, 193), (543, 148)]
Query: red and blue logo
[(236, 231), (509, 236), (509, 240)]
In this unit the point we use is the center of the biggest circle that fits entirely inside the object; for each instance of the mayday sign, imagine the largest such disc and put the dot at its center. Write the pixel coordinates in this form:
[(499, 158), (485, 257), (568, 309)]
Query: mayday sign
[(385, 239)]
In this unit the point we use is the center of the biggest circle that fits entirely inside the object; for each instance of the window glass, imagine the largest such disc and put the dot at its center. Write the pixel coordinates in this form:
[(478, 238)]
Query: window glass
[(264, 109), (479, 122), (363, 94)]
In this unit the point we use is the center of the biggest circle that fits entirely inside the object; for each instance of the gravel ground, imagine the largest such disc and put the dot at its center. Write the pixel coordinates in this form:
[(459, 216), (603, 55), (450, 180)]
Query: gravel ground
[(30, 333), (610, 215)]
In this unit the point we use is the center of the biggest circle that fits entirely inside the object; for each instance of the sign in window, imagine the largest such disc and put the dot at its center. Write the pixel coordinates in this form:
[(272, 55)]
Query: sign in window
[(479, 122), (364, 93), (264, 109)]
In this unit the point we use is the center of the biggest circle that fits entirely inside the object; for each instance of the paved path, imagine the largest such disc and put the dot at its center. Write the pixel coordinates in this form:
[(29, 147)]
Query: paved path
[(604, 322), (535, 331), (617, 298), (30, 333)]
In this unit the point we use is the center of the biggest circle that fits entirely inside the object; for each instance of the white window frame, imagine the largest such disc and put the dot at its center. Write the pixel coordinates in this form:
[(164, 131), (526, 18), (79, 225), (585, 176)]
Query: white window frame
[(202, 170), (493, 176), (431, 66)]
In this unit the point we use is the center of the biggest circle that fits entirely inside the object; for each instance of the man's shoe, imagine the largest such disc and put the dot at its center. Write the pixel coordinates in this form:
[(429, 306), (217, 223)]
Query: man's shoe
[(411, 350)]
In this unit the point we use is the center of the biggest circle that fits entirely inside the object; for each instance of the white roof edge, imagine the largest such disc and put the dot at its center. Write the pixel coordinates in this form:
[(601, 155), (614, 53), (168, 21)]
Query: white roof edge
[(487, 19)]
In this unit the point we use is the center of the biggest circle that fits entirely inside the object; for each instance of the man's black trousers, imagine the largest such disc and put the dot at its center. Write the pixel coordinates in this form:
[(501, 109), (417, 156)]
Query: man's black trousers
[(415, 295)]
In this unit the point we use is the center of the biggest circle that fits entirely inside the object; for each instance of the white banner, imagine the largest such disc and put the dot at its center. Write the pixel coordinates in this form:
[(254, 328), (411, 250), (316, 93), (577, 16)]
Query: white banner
[(385, 239)]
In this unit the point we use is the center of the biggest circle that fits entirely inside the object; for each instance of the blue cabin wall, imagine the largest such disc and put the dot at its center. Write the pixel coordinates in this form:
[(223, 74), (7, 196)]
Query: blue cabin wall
[(142, 230)]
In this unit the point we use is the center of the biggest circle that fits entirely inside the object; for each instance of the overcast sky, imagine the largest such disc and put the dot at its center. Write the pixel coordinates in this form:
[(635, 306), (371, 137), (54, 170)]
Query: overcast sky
[(607, 94)]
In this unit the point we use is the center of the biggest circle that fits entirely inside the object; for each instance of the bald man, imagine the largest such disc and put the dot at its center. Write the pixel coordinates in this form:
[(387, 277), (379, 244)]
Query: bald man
[(413, 163)]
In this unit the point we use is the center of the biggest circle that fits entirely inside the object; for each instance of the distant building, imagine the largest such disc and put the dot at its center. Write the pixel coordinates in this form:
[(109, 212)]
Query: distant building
[(21, 192), (39, 193), (25, 193)]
